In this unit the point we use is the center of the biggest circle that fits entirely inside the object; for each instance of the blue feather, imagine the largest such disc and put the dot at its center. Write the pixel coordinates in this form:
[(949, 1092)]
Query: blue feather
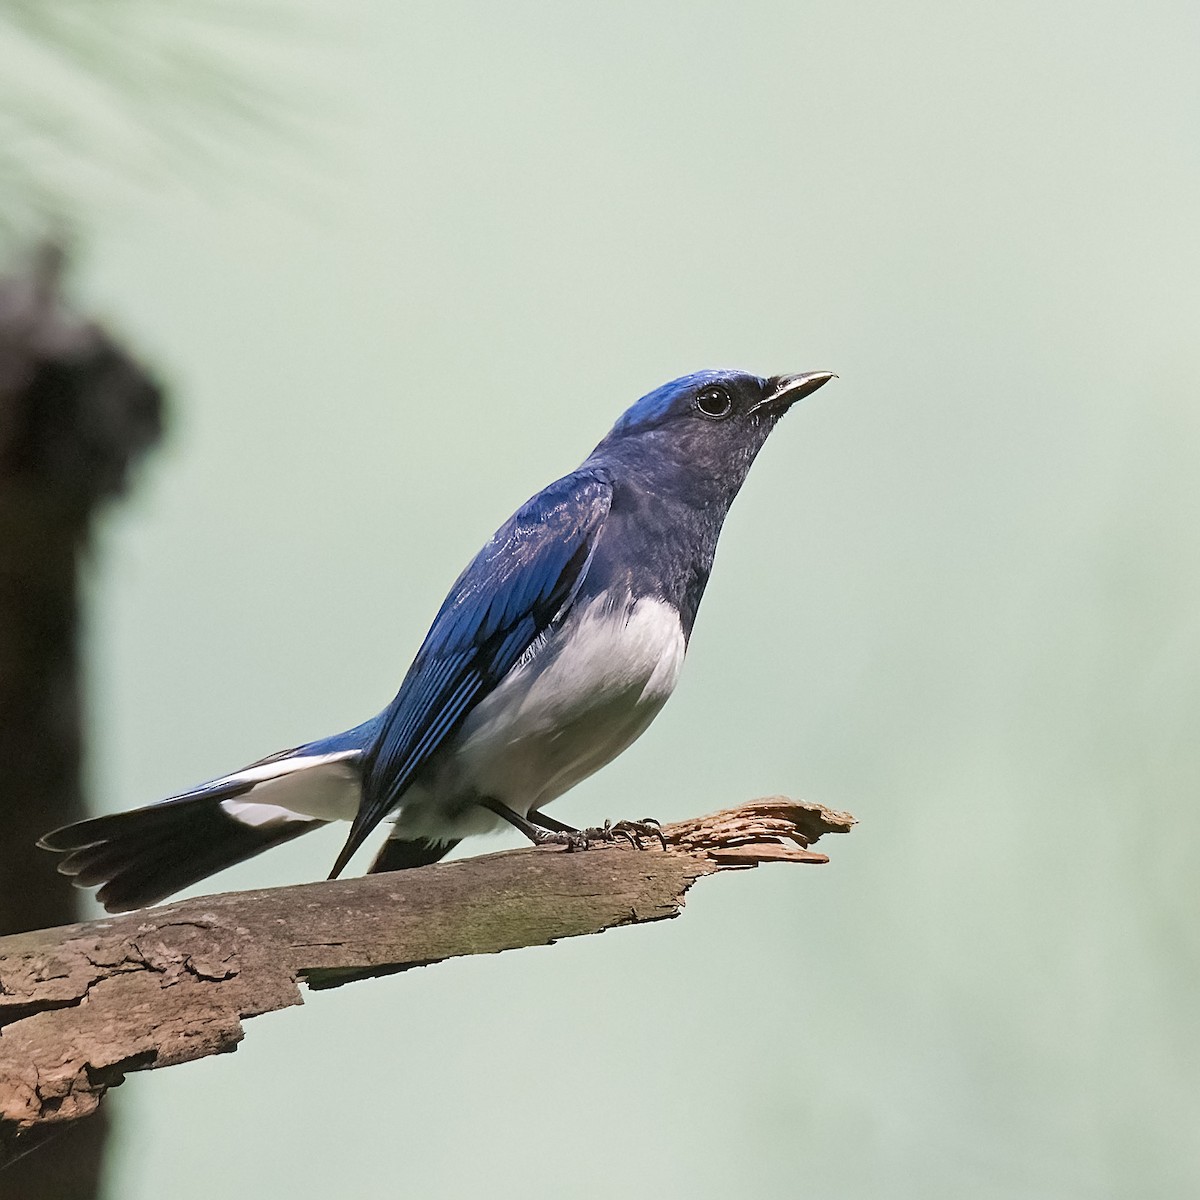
[(657, 406)]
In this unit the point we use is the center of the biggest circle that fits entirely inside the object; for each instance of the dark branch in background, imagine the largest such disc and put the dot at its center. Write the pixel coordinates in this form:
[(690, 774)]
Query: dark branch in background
[(83, 1005), (76, 412)]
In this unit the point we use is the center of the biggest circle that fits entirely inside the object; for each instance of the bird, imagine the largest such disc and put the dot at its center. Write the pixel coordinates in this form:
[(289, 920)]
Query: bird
[(553, 651)]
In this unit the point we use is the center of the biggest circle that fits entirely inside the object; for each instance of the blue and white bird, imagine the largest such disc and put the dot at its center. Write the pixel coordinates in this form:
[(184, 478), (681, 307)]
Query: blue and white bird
[(553, 652)]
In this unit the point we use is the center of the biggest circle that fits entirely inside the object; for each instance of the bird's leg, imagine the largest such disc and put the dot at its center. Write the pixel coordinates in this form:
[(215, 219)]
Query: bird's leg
[(573, 839), (542, 821), (542, 830)]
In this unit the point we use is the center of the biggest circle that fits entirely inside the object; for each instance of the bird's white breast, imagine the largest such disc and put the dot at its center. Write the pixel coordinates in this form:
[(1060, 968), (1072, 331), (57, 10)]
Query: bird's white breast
[(574, 703)]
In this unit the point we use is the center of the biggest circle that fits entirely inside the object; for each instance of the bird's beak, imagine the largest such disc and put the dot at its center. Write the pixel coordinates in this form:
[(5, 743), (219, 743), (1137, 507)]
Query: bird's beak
[(785, 390)]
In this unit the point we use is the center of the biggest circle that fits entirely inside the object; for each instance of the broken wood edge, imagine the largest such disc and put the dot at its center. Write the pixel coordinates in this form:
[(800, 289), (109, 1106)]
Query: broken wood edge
[(82, 1005)]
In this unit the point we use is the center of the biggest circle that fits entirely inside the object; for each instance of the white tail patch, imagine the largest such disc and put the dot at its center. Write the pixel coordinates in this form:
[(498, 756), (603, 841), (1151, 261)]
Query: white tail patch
[(324, 787), (258, 815)]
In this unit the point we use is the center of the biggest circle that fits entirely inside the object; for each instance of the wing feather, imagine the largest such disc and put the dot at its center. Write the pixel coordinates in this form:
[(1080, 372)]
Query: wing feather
[(522, 581)]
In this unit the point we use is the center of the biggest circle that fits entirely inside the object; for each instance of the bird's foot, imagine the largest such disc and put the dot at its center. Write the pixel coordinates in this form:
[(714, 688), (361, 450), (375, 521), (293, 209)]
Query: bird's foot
[(631, 831), (611, 831), (634, 831)]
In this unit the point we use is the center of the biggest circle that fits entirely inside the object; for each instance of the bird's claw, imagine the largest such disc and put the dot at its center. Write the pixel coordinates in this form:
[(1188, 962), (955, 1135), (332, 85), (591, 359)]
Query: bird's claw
[(634, 831), (630, 831)]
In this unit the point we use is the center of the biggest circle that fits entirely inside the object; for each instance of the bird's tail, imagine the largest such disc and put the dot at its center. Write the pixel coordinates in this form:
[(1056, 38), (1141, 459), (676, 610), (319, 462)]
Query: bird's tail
[(402, 854), (147, 854)]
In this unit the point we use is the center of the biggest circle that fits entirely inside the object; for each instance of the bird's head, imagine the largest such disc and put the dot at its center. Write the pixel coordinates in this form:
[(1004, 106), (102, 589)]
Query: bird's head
[(709, 425)]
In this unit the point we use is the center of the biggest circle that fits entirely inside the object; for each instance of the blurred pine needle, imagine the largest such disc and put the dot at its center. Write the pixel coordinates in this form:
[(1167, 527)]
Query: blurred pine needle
[(99, 95)]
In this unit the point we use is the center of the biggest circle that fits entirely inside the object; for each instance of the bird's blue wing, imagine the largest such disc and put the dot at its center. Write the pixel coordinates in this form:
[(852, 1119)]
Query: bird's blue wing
[(513, 590)]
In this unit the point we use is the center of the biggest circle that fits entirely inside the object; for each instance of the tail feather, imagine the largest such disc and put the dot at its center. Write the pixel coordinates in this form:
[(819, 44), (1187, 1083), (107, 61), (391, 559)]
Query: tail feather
[(144, 855), (402, 854), (140, 862), (98, 863), (137, 883), (137, 822)]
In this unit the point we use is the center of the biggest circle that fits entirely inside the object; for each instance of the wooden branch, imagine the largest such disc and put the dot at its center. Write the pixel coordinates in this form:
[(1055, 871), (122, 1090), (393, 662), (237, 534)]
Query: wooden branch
[(81, 1005)]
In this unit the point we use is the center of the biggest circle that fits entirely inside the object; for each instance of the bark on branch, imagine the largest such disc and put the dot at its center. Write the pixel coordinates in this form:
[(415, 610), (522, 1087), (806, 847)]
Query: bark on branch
[(81, 1005)]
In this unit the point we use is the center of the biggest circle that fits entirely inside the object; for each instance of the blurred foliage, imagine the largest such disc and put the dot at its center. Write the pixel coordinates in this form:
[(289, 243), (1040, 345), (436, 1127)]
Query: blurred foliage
[(98, 96)]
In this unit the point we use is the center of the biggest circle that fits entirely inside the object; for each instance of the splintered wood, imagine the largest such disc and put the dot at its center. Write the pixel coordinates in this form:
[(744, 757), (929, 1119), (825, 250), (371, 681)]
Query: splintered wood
[(774, 829)]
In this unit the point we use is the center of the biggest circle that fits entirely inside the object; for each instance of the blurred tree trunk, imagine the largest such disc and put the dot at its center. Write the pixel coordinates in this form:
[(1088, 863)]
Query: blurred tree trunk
[(75, 413)]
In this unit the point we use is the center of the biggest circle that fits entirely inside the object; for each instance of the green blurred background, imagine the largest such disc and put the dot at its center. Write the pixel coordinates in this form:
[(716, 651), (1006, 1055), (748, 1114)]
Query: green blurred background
[(957, 597)]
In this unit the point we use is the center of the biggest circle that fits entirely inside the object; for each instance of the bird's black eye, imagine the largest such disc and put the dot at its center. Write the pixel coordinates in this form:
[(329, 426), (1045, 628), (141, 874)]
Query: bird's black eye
[(715, 402)]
